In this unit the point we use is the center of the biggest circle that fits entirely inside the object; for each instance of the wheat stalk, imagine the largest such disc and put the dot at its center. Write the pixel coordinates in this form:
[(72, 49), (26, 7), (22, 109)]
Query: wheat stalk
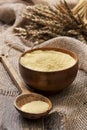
[(41, 23)]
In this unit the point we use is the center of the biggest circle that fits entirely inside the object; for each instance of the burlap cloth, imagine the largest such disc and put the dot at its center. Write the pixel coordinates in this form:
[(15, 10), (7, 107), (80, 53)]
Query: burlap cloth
[(69, 106)]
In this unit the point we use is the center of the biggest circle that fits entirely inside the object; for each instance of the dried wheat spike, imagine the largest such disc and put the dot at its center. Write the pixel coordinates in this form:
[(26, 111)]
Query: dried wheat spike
[(41, 23)]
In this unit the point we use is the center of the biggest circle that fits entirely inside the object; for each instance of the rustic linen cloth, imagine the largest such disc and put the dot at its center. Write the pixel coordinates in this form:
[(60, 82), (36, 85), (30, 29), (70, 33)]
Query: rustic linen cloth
[(69, 106)]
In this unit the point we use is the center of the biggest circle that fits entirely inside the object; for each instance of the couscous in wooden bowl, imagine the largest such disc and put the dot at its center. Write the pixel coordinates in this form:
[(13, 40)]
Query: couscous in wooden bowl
[(49, 82)]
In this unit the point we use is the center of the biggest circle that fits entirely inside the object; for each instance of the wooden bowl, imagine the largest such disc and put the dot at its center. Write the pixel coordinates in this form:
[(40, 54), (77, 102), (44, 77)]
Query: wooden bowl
[(51, 81)]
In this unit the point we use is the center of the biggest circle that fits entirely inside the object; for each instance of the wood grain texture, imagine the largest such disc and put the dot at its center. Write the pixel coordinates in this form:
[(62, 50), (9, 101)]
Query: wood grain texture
[(10, 119)]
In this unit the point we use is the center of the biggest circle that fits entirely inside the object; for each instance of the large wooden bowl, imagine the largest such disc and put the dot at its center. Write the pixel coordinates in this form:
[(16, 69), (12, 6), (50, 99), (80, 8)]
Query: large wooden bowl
[(49, 82)]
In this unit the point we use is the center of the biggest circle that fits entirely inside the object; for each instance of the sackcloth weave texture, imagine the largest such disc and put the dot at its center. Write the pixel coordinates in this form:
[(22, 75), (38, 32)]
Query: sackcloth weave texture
[(73, 100)]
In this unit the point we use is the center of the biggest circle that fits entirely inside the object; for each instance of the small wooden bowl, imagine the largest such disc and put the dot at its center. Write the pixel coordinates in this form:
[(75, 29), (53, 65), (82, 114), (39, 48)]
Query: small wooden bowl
[(49, 82)]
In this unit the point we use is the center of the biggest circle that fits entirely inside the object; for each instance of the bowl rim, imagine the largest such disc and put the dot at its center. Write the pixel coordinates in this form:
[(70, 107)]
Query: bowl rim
[(63, 50)]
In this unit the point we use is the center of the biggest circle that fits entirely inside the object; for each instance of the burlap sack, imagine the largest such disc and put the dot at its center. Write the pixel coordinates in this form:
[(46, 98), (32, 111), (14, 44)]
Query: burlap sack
[(72, 101)]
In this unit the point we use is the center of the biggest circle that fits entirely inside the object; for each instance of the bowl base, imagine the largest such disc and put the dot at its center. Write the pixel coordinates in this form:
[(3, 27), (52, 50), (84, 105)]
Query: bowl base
[(46, 93)]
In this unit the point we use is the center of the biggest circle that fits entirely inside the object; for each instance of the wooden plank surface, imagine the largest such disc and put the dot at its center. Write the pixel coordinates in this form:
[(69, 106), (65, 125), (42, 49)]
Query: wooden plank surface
[(10, 119)]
